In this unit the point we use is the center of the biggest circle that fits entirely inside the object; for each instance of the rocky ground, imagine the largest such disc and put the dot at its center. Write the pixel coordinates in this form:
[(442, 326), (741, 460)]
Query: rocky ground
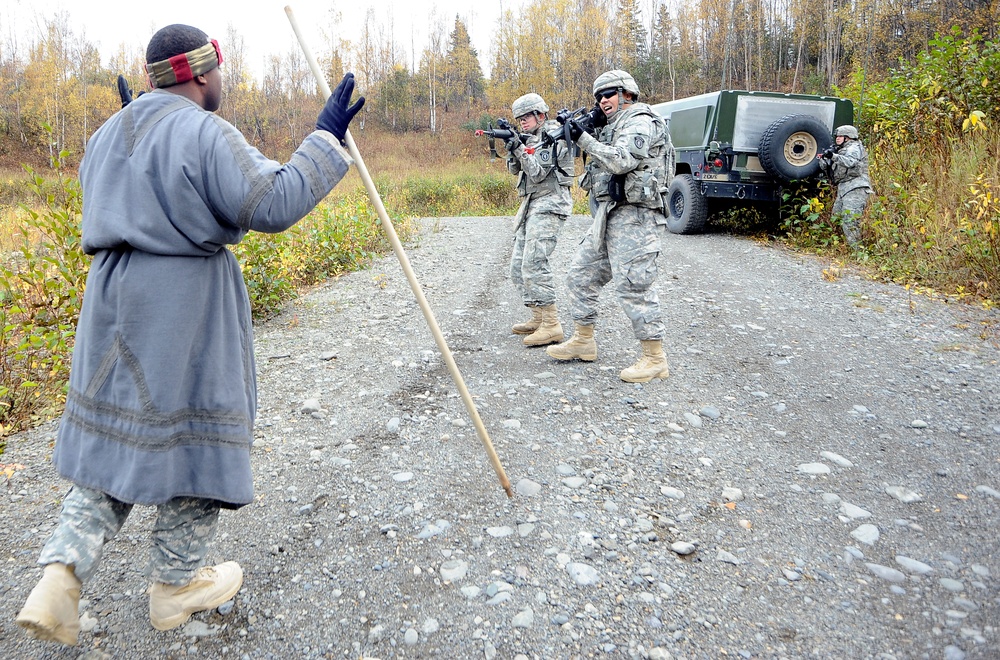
[(818, 478)]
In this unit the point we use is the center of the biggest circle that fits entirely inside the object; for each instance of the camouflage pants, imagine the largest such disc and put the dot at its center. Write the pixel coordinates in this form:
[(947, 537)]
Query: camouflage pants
[(182, 531), (534, 241), (627, 256), (849, 207)]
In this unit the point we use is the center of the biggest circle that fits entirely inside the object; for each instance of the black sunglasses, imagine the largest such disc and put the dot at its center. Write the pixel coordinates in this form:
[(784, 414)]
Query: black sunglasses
[(606, 94)]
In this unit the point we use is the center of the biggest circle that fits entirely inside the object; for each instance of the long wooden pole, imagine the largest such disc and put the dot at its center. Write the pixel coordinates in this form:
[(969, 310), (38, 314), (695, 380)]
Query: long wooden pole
[(397, 247)]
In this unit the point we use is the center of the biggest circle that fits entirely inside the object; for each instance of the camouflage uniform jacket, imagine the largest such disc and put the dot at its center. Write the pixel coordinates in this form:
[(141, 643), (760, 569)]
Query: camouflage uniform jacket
[(634, 147), (545, 176), (849, 169)]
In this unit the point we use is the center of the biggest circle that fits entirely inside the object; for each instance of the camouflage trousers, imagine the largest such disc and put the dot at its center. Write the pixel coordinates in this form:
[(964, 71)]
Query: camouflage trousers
[(849, 207), (627, 256), (182, 532), (534, 241)]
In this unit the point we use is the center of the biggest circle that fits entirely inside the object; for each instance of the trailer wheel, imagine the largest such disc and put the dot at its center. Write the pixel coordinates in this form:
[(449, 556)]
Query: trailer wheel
[(687, 210), (788, 147)]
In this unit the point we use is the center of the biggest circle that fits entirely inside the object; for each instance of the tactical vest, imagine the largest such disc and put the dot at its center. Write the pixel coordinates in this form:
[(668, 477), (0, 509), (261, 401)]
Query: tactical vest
[(856, 176), (548, 157), (648, 182)]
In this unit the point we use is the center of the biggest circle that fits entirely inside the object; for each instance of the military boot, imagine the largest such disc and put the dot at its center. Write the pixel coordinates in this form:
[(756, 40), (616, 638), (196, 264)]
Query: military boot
[(172, 605), (530, 326), (581, 346), (549, 332), (51, 612), (652, 364)]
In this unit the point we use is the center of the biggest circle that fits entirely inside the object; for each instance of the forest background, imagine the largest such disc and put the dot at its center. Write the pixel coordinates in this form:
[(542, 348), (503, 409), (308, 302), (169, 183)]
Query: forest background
[(922, 75)]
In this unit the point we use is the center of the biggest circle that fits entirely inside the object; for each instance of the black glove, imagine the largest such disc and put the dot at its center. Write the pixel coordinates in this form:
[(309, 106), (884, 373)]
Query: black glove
[(598, 117), (512, 144), (124, 91), (828, 153), (337, 113), (575, 130)]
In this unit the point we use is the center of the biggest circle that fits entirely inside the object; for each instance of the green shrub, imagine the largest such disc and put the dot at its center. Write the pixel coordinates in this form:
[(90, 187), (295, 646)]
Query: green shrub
[(934, 137), (330, 241), (806, 219), (498, 193), (41, 291), (486, 193), (429, 196)]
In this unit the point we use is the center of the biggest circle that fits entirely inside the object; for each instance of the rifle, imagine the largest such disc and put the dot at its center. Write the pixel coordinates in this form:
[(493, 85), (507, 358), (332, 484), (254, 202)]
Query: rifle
[(589, 121), (504, 131), (826, 162)]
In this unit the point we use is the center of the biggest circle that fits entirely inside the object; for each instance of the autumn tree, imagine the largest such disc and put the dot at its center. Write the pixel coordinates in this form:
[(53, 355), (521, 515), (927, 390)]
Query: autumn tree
[(631, 51), (395, 100), (428, 81), (463, 77)]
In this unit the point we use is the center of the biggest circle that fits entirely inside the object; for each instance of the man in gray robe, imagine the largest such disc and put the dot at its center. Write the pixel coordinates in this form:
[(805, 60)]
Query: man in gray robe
[(162, 395)]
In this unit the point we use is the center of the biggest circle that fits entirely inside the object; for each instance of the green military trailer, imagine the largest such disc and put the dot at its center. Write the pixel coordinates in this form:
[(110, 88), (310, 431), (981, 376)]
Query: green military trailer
[(740, 147)]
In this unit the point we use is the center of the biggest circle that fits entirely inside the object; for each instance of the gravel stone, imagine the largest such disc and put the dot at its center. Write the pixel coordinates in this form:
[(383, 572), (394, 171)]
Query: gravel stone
[(773, 365)]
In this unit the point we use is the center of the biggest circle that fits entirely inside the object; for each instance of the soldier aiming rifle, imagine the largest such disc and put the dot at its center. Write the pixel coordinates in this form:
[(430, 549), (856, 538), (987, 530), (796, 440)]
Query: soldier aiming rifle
[(846, 165)]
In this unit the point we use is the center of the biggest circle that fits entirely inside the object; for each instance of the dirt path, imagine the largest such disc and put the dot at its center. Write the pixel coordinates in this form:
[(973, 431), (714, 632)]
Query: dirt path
[(755, 505)]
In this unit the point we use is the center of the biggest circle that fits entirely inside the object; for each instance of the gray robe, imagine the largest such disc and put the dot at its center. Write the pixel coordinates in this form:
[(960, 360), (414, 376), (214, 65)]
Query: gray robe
[(163, 390)]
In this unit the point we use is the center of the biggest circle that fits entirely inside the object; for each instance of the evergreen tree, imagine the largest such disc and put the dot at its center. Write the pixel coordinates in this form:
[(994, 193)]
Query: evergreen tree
[(630, 37), (463, 77)]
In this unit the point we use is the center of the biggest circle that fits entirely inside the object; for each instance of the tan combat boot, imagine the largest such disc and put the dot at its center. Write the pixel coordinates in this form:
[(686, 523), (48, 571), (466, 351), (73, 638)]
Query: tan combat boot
[(528, 327), (51, 612), (652, 364), (172, 605), (549, 332), (581, 346)]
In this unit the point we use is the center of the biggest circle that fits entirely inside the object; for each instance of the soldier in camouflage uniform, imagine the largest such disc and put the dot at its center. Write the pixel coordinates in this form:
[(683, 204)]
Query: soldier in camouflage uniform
[(846, 165), (544, 177), (626, 175)]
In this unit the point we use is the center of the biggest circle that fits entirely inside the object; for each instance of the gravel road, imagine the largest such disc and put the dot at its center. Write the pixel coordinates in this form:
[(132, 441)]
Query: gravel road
[(818, 478)]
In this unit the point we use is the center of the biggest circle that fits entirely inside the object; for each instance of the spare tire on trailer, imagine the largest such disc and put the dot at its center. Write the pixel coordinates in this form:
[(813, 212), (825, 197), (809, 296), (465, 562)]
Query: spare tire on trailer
[(788, 147), (687, 210)]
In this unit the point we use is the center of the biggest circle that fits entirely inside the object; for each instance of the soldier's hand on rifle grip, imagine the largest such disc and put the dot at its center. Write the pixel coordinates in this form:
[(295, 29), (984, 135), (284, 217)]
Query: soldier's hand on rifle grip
[(575, 130), (599, 118)]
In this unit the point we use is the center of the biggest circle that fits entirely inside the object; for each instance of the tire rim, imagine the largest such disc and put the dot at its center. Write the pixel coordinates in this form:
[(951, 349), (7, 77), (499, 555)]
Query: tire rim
[(800, 149), (677, 204)]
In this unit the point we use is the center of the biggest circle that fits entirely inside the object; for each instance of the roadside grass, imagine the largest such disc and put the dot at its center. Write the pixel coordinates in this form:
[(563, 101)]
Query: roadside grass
[(936, 218)]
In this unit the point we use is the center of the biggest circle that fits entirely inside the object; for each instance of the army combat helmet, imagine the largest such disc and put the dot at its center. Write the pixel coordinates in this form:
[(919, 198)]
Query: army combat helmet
[(618, 80), (528, 104), (846, 131)]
